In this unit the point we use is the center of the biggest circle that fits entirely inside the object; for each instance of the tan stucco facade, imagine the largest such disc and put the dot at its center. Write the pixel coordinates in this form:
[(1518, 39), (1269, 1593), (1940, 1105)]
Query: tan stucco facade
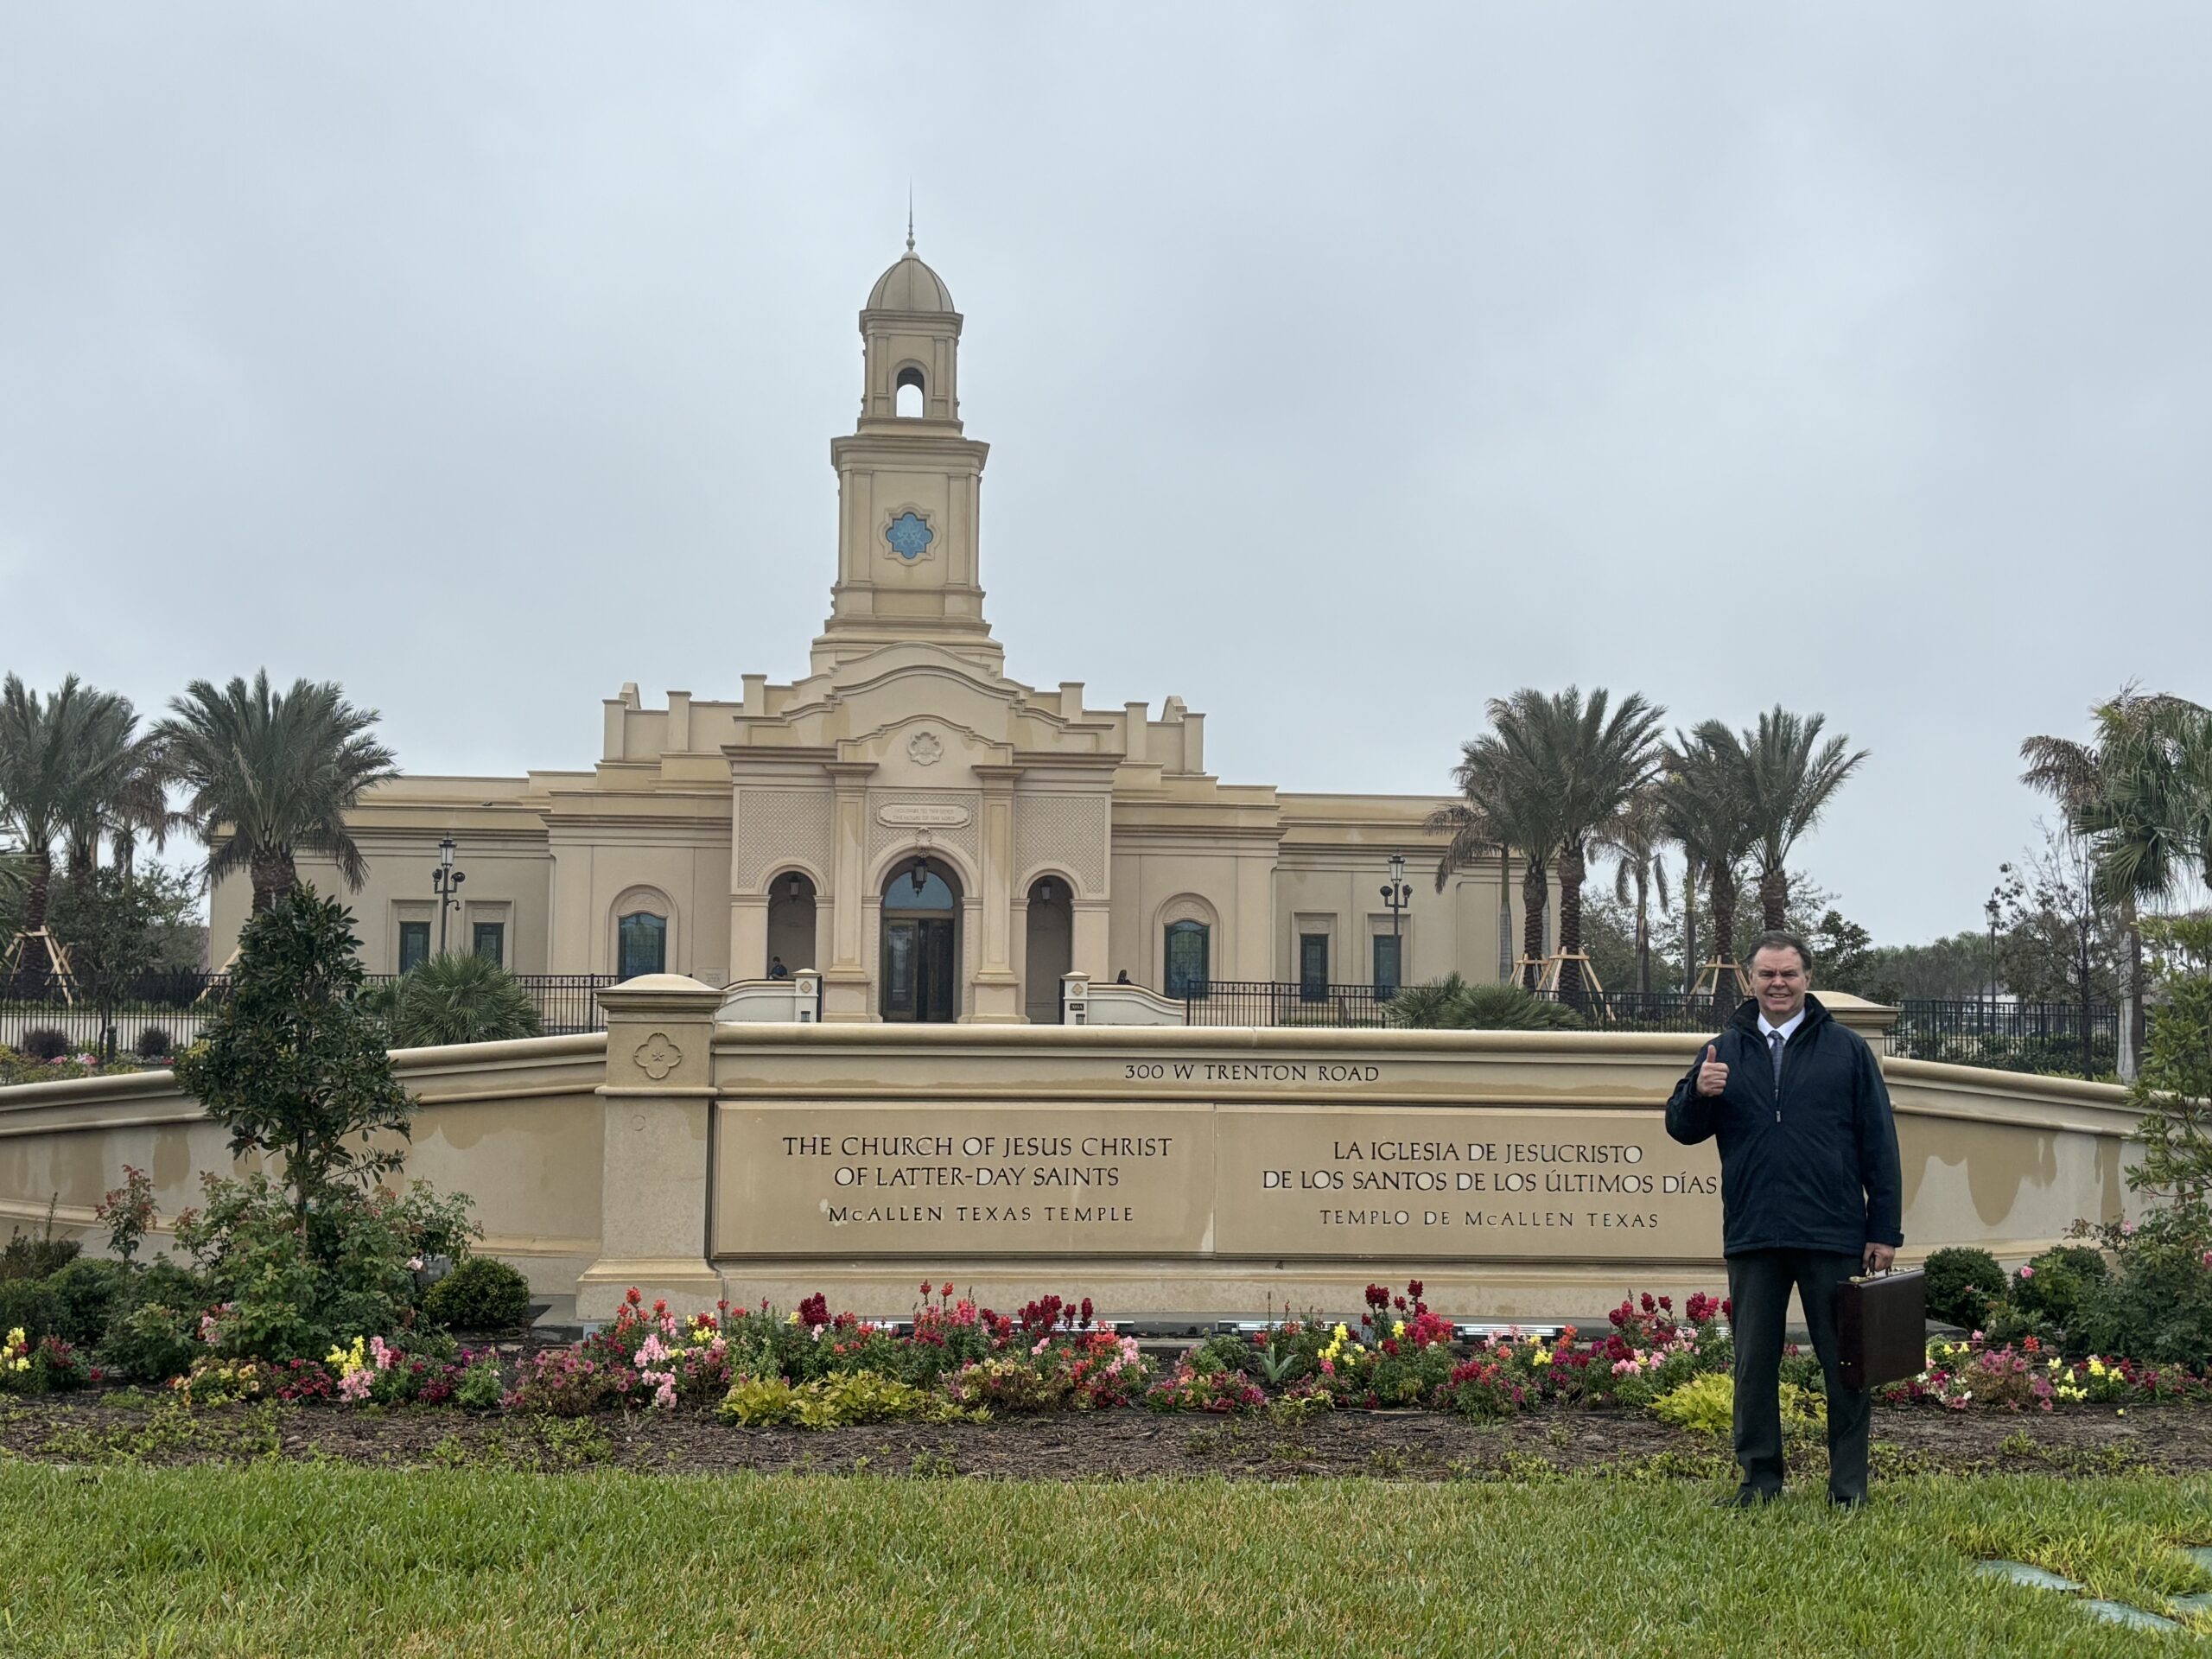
[(1069, 837), (1171, 1171)]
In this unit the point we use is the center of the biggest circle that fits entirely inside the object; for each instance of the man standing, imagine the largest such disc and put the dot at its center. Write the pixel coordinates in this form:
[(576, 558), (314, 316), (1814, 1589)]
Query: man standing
[(1811, 1194)]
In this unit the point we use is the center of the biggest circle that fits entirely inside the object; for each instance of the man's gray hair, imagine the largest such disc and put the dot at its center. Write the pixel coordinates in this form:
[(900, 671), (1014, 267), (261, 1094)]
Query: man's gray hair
[(1775, 939)]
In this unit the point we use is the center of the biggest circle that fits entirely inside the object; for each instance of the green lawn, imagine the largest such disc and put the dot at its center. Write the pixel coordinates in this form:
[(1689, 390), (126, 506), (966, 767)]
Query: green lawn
[(304, 1559)]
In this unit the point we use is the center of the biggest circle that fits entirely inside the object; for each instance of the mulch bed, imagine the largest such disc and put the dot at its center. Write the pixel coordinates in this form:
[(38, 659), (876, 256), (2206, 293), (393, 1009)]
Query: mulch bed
[(94, 1428)]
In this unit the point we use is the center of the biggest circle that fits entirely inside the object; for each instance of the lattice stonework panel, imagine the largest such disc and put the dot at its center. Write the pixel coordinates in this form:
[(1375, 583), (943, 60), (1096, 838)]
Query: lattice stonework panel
[(781, 826), (1067, 832), (931, 807)]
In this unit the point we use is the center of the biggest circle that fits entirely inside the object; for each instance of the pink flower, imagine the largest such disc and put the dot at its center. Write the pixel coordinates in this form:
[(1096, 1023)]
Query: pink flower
[(2027, 1273), (2128, 1230)]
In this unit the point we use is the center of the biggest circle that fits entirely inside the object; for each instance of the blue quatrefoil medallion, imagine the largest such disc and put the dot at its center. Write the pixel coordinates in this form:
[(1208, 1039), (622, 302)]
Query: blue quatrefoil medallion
[(909, 536)]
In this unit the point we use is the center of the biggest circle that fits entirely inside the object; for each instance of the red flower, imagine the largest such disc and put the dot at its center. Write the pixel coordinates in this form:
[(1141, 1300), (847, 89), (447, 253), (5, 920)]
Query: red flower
[(1412, 1289), (947, 1290)]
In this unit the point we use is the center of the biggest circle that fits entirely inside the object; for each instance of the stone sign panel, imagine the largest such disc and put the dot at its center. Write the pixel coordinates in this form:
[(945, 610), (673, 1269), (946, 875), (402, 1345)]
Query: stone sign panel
[(1208, 1179), (1487, 1181), (1097, 1179)]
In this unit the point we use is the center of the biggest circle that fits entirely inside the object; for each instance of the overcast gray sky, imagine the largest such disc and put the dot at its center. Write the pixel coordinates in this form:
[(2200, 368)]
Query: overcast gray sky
[(1342, 367)]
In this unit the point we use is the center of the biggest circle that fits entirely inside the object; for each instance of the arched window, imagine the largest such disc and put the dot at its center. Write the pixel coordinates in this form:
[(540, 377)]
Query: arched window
[(641, 945), (1187, 944), (909, 393)]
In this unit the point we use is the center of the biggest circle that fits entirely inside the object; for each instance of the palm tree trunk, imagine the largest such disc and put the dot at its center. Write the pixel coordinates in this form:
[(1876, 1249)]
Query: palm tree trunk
[(1505, 914), (1724, 934), (1533, 900), (32, 970), (274, 875), (1571, 868), (1642, 931), (1689, 924), (1774, 898)]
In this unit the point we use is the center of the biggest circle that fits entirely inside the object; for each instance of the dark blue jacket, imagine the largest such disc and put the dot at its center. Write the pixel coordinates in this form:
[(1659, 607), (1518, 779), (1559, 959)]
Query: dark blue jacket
[(1813, 1169)]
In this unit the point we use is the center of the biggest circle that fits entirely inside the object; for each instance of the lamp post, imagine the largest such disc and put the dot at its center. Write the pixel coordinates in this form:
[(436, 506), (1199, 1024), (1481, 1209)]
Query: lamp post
[(1396, 894), (445, 882), (1989, 909)]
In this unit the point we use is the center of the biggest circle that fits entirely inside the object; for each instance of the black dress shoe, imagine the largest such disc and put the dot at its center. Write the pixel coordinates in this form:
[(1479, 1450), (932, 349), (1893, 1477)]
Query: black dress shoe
[(1844, 1503), (1746, 1497)]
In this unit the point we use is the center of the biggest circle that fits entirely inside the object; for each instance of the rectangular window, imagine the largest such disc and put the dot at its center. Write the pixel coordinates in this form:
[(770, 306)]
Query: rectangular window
[(1386, 964), (414, 944), (641, 942), (491, 941), (1186, 952), (1312, 967)]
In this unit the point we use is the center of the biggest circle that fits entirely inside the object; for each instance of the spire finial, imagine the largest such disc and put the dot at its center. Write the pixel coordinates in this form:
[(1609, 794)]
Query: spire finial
[(910, 215)]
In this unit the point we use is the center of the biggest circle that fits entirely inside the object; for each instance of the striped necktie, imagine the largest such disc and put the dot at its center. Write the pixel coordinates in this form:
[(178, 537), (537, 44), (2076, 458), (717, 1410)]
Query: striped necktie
[(1774, 1041)]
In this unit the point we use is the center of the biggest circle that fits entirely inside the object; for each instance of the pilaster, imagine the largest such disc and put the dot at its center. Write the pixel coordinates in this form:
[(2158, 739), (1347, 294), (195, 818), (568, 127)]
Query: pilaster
[(658, 1107)]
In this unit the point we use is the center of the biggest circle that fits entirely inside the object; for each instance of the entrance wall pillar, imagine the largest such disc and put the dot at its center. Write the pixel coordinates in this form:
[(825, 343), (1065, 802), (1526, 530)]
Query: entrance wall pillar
[(845, 982), (995, 996), (1089, 950), (655, 1152)]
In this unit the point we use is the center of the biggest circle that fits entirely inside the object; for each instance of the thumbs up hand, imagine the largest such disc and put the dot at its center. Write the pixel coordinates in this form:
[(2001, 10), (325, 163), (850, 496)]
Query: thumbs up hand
[(1711, 1075)]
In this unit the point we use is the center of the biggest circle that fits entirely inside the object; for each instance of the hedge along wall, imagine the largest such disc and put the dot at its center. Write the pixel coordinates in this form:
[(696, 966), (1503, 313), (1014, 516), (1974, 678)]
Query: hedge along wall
[(1177, 1171)]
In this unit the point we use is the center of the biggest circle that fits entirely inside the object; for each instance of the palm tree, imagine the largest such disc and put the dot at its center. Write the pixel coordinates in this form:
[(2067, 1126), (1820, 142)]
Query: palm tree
[(1638, 835), (44, 780), (1705, 811), (1508, 809), (459, 998), (1587, 761), (1789, 776), (1474, 837), (122, 787), (2077, 776), (272, 775)]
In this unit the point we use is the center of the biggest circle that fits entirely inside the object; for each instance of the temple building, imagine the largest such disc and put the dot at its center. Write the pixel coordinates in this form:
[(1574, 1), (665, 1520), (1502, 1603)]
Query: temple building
[(941, 842)]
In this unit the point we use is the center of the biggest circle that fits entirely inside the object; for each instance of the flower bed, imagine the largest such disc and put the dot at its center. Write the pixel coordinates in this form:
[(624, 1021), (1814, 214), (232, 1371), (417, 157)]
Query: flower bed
[(957, 1361)]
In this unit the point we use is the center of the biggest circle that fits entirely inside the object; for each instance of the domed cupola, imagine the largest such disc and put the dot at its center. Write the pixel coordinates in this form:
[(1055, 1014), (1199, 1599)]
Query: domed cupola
[(912, 338), (910, 286)]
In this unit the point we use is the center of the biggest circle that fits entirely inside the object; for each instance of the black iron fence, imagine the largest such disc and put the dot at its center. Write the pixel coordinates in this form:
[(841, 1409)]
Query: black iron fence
[(154, 1014), (2048, 1037), (1264, 1002)]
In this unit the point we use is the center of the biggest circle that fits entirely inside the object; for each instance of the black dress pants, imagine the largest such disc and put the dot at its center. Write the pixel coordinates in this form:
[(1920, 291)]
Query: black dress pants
[(1758, 1286)]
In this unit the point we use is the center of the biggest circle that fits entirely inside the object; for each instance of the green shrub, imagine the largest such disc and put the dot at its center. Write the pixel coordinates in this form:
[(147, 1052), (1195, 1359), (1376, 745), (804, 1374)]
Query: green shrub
[(482, 1294), (154, 1043), (45, 1043), (36, 1256), (480, 1388), (1453, 1004), (833, 1401), (2051, 1287), (88, 1292), (1706, 1403), (1960, 1283), (31, 1305), (152, 1342), (2156, 1308), (458, 997)]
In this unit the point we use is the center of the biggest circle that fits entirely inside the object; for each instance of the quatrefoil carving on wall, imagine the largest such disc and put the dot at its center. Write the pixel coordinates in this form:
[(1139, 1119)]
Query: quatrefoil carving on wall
[(657, 1057)]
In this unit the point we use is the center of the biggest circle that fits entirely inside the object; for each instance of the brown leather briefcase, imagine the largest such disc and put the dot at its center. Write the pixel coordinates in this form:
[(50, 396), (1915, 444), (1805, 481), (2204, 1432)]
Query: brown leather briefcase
[(1881, 1323)]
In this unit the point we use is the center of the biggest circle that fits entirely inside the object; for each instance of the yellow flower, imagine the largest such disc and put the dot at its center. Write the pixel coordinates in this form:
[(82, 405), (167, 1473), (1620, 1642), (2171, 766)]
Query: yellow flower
[(18, 1340), (794, 1317), (1537, 1356), (1340, 1333), (2096, 1366), (1399, 1329)]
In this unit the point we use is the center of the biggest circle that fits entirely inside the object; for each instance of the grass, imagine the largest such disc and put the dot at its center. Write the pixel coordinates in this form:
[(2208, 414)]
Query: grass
[(299, 1558)]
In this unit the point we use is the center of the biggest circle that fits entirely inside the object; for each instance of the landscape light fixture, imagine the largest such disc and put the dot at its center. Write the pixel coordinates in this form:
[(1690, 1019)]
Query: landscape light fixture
[(445, 882), (921, 875)]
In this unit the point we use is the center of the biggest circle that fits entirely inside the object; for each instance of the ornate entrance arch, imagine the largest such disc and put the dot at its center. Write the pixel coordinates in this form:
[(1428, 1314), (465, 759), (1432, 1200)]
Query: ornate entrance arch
[(919, 960)]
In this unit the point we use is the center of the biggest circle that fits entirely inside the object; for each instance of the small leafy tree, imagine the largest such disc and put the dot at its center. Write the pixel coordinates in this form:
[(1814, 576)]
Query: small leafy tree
[(293, 1063), (2173, 1090)]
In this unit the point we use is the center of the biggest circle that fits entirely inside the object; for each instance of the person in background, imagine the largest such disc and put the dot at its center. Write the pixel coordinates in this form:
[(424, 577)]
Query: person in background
[(776, 968)]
